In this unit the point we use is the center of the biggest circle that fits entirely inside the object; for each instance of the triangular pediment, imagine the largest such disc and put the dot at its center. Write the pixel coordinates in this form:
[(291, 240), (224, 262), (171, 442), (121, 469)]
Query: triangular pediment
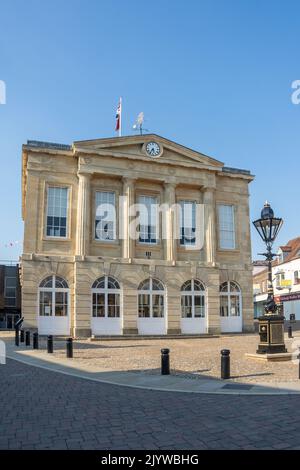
[(133, 147)]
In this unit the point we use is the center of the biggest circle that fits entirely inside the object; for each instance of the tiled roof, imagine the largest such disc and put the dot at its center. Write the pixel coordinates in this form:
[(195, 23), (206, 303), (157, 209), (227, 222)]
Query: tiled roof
[(292, 250)]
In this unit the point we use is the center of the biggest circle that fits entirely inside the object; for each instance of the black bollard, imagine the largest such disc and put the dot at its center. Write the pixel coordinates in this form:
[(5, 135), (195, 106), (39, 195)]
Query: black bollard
[(70, 347), (35, 339), (50, 344), (17, 337), (22, 336), (290, 331), (27, 338), (165, 362), (225, 364)]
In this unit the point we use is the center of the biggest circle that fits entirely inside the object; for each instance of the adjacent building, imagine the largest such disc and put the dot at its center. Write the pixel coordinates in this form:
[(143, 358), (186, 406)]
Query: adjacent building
[(84, 273), (286, 281), (10, 295)]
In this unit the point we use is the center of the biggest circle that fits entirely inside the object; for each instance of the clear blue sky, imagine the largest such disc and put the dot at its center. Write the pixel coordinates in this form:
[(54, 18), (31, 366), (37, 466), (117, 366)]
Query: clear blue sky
[(212, 75)]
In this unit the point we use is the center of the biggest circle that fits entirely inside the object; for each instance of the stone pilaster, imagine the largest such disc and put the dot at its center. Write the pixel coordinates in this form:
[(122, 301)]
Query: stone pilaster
[(128, 202), (213, 304), (83, 211), (210, 226), (170, 222)]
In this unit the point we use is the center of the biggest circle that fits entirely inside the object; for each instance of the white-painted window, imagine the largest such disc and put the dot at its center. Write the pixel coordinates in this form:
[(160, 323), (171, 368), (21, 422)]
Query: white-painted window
[(53, 297), (106, 298), (57, 212), (105, 217), (148, 217), (230, 299), (187, 220), (151, 299), (10, 289), (193, 299), (226, 227)]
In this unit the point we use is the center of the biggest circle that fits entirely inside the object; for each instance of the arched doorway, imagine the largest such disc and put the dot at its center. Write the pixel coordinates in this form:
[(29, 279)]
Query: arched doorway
[(106, 307), (152, 308), (54, 306), (193, 307), (231, 307)]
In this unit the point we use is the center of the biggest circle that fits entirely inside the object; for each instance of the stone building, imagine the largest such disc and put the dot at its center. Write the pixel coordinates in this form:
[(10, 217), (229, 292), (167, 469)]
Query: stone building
[(84, 274), (10, 294), (286, 276)]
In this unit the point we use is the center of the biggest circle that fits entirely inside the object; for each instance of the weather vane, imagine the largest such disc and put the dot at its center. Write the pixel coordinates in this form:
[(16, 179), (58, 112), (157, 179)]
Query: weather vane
[(138, 125)]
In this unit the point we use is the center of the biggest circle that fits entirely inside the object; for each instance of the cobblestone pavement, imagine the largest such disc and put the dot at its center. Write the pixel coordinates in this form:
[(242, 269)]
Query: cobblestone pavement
[(199, 357), (47, 410)]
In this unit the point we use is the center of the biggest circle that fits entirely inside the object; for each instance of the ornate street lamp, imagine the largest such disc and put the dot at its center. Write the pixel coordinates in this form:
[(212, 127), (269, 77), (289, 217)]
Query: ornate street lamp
[(271, 324)]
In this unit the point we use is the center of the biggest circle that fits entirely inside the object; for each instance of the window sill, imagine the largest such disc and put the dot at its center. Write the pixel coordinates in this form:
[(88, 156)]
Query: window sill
[(181, 249), (156, 246), (105, 242), (55, 239), (228, 250)]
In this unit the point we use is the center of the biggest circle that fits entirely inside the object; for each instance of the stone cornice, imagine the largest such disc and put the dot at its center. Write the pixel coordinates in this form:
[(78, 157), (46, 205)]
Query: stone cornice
[(140, 139), (139, 157)]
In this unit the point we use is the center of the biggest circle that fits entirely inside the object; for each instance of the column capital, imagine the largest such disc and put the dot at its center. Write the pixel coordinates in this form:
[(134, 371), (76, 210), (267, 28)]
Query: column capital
[(170, 184), (208, 189), (84, 175), (128, 180)]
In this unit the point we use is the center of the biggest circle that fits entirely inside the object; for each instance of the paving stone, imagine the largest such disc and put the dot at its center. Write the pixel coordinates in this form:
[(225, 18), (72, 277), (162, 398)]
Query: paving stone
[(90, 415)]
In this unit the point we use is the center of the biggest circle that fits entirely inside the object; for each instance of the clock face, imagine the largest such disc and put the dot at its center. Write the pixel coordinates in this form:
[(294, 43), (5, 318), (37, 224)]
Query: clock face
[(153, 149)]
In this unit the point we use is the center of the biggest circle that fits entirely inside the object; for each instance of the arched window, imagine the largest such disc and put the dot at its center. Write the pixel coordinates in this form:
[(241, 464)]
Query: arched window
[(230, 299), (106, 298), (53, 297), (151, 299), (193, 299)]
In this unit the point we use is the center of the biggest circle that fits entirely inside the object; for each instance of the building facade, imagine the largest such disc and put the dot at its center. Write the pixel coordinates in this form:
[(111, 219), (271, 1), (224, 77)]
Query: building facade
[(286, 281), (10, 295), (84, 273)]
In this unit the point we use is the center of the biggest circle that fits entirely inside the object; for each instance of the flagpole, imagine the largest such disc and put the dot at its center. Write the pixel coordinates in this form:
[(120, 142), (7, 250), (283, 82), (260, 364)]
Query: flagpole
[(120, 127)]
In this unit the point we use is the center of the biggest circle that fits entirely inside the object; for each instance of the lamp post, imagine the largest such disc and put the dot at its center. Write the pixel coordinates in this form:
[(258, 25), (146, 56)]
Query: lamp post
[(271, 323)]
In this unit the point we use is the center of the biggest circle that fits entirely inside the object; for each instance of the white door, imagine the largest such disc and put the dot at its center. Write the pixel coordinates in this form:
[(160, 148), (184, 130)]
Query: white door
[(193, 308), (231, 324), (151, 308), (231, 308), (106, 307), (54, 307)]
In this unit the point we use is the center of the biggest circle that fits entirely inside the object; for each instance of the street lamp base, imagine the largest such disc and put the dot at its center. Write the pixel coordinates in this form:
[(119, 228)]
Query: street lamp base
[(271, 349), (271, 333)]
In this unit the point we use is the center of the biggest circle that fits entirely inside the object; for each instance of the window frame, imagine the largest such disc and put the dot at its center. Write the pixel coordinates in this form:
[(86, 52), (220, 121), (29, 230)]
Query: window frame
[(9, 287), (115, 230), (106, 291), (53, 291), (150, 292), (228, 294), (234, 231), (157, 227), (194, 293), (194, 203), (68, 187)]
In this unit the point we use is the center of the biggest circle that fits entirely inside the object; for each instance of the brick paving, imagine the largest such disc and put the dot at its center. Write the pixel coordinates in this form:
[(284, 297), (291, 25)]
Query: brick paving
[(41, 409)]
